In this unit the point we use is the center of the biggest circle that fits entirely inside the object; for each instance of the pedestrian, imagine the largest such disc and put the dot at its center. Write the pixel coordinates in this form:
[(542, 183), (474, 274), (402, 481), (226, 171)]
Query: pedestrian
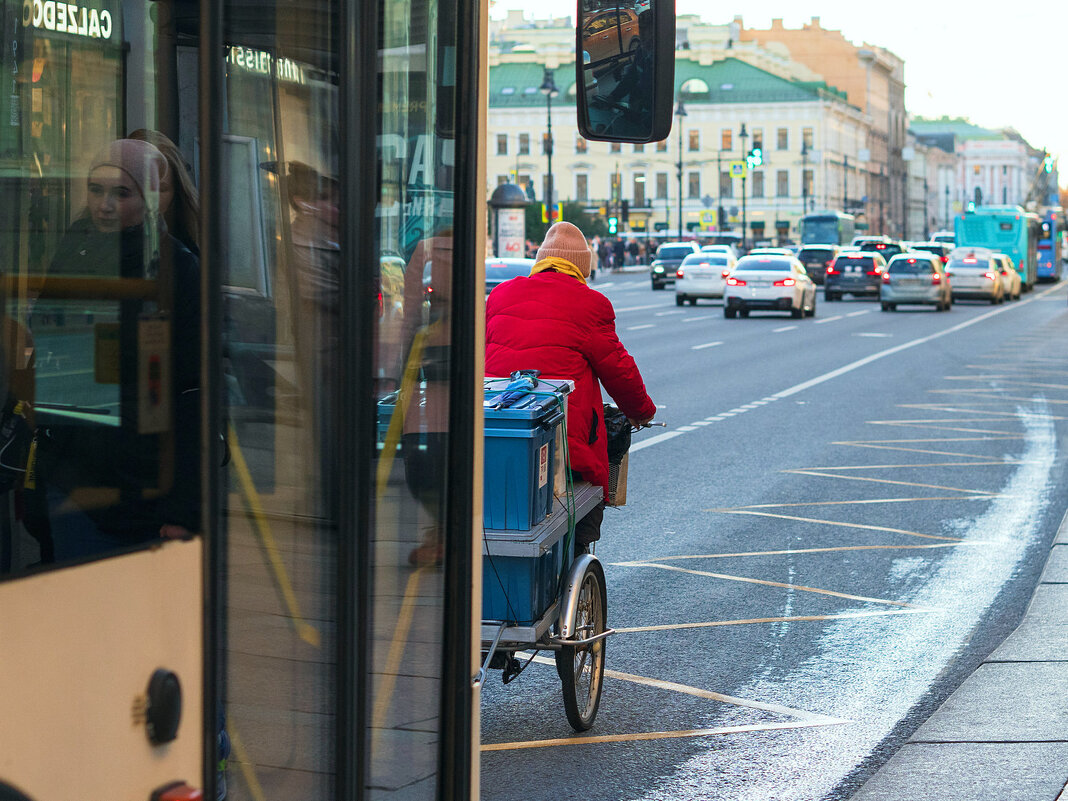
[(619, 251), (553, 322)]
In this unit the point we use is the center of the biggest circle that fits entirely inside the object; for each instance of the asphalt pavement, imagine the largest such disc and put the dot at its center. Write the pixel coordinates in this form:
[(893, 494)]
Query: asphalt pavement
[(1002, 734)]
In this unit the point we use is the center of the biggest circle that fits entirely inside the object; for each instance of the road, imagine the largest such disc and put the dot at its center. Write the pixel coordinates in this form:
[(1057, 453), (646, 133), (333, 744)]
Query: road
[(842, 517)]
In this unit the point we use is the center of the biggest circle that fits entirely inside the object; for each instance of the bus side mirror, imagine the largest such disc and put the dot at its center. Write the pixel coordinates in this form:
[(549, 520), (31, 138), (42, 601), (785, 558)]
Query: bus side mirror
[(625, 69)]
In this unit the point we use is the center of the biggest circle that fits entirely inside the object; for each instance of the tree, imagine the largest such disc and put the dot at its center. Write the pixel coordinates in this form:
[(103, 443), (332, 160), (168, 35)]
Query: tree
[(590, 224)]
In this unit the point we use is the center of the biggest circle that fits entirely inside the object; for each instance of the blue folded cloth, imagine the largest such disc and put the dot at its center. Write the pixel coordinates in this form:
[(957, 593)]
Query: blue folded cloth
[(517, 388)]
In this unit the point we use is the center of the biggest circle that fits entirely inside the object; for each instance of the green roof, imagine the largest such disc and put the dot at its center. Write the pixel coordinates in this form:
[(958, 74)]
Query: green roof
[(515, 85), (957, 126)]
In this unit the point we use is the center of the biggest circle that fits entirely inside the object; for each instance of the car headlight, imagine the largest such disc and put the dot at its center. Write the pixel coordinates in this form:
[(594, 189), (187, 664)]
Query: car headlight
[(658, 268)]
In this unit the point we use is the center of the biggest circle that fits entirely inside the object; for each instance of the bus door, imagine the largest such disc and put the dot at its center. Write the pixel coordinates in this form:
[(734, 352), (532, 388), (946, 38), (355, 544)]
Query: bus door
[(101, 597)]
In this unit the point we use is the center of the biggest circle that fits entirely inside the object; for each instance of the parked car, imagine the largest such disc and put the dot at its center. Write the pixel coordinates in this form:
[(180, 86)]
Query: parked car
[(857, 273), (702, 275), (940, 249), (916, 277), (500, 270), (668, 258), (1011, 285), (975, 276), (817, 258), (771, 282)]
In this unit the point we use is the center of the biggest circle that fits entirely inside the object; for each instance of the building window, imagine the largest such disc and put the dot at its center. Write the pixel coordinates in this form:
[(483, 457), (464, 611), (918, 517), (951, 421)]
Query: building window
[(758, 184), (502, 144), (582, 187), (639, 148), (661, 185), (615, 148), (502, 179), (524, 144), (639, 190), (808, 138), (695, 141), (782, 181), (782, 139), (694, 185), (726, 185), (807, 184), (758, 138), (581, 145), (726, 139), (528, 186), (661, 146)]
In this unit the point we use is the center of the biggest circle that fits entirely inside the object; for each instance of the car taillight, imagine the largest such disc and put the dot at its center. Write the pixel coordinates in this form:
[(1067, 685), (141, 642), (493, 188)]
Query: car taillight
[(886, 278), (936, 278), (828, 264), (678, 273), (785, 282), (725, 273), (990, 276), (831, 270), (876, 272), (732, 281), (945, 259), (948, 273)]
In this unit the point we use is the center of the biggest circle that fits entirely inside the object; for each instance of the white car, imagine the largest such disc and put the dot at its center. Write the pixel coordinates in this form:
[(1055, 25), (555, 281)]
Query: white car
[(1011, 284), (975, 275), (702, 275), (721, 249), (771, 252), (769, 283)]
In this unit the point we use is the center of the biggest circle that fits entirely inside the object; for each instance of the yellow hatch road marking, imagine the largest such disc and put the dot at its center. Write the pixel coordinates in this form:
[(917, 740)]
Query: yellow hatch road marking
[(1002, 399), (817, 472), (876, 445), (802, 718), (858, 502), (784, 585), (862, 526), (792, 619), (1009, 382), (792, 551)]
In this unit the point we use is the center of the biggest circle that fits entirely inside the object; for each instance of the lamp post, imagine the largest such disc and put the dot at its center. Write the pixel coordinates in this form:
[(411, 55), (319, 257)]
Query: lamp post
[(946, 223), (680, 112), (845, 184), (744, 135), (804, 183), (548, 88)]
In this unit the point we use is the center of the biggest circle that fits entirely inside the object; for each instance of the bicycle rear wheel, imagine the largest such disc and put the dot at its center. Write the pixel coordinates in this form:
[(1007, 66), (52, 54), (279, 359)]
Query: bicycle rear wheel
[(581, 667)]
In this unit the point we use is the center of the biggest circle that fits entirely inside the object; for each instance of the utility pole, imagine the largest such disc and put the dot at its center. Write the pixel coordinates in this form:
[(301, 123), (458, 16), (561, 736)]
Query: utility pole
[(744, 135), (680, 112), (845, 184), (804, 183)]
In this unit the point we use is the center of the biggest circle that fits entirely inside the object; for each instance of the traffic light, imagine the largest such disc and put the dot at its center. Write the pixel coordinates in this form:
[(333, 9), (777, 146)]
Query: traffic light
[(624, 211), (755, 157), (1047, 164), (613, 225)]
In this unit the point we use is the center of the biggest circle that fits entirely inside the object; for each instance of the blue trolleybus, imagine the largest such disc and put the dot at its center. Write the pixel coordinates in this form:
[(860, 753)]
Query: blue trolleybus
[(827, 228), (1008, 229), (1049, 245)]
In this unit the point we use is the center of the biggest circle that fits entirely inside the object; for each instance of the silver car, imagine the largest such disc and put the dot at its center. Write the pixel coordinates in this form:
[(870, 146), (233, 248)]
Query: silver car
[(917, 277), (1011, 285), (702, 275), (769, 283), (975, 276)]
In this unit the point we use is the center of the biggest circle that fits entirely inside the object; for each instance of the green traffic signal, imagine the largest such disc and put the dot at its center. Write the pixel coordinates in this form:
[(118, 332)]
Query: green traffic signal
[(755, 157), (1048, 164), (613, 224)]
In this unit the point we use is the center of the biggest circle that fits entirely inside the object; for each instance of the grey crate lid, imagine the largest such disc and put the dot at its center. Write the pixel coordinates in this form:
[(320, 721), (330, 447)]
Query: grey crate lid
[(540, 539)]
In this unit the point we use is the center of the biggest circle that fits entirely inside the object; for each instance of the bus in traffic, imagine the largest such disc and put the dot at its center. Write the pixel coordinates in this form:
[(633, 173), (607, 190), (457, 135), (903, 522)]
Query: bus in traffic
[(1008, 229), (1049, 245), (827, 228)]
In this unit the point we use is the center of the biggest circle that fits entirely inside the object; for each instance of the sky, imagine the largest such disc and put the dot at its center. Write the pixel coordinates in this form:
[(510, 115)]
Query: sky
[(999, 65)]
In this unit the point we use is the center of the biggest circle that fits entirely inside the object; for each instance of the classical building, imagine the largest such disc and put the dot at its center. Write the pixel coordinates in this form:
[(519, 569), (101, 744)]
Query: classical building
[(873, 79), (810, 137)]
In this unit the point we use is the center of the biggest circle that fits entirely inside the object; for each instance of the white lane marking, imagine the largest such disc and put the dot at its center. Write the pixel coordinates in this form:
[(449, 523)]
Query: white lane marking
[(738, 410), (873, 334), (706, 345), (769, 399), (728, 414), (685, 428), (645, 443), (858, 313), (665, 314), (695, 319), (640, 308), (828, 319), (784, 328), (640, 327), (700, 423), (715, 419)]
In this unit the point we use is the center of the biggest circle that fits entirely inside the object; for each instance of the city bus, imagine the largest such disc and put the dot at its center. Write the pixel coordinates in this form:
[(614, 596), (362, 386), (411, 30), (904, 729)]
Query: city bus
[(1008, 229), (225, 568), (827, 228), (1049, 245)]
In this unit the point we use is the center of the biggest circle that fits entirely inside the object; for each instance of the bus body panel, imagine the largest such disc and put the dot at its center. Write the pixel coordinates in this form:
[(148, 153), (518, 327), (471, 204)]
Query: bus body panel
[(1008, 229), (1049, 247), (827, 228), (72, 713)]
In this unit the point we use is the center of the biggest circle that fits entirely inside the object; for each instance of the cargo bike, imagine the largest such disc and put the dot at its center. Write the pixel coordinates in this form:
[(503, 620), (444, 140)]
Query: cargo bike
[(537, 595)]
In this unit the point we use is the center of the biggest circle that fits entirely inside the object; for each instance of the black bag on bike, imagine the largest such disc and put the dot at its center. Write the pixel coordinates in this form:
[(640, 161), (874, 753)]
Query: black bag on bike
[(617, 429)]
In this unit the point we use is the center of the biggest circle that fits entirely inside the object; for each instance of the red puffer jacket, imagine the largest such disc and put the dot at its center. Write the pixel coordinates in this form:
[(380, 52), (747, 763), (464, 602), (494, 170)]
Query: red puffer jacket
[(556, 324)]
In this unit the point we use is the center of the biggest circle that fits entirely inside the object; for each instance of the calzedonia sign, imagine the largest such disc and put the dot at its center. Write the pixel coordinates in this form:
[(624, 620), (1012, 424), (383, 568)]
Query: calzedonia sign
[(70, 18)]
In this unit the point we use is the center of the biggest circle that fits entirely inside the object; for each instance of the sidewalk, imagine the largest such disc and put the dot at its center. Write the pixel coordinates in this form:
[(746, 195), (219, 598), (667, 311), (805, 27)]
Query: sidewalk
[(1003, 735)]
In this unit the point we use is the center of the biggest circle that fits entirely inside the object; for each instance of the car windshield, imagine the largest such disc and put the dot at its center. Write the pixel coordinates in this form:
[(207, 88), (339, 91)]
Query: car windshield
[(882, 247), (939, 249), (673, 252), (503, 270), (706, 258), (816, 254), (863, 261), (912, 266), (776, 265)]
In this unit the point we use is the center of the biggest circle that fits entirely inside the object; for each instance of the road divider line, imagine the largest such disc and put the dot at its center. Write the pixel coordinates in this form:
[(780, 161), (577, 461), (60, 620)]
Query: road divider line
[(903, 483), (641, 308), (858, 313), (861, 502), (667, 313), (685, 320), (641, 327), (829, 549), (757, 620), (784, 328), (645, 443), (706, 345), (839, 523), (823, 320)]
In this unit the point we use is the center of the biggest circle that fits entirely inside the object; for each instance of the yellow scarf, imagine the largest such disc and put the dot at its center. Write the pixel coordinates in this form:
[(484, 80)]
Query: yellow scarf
[(560, 265)]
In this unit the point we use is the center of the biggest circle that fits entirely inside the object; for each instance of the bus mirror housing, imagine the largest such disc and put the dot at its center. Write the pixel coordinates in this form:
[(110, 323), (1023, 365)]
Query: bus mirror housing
[(625, 69)]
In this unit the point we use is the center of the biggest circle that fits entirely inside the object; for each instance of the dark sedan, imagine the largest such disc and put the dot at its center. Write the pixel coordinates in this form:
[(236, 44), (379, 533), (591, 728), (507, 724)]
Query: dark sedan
[(500, 270)]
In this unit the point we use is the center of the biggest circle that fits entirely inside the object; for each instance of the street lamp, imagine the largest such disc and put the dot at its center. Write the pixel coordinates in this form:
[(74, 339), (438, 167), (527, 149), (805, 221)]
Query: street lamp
[(680, 112), (744, 135), (804, 183), (947, 206), (548, 88)]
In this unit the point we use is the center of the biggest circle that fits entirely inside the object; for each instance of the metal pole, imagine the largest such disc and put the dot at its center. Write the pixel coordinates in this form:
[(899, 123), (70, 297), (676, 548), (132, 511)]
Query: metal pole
[(845, 184), (743, 135), (549, 153), (680, 177)]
